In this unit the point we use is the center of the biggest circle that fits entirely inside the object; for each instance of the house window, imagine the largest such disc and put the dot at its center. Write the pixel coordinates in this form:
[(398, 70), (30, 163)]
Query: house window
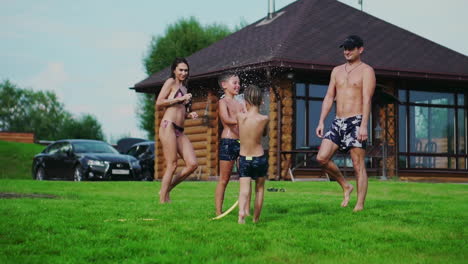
[(308, 105), (432, 130)]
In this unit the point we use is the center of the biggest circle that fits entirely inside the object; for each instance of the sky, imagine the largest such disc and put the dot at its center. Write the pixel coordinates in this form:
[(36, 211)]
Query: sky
[(91, 51)]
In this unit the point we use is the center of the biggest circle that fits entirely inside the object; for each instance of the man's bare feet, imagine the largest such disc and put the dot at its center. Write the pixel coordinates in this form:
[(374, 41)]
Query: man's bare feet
[(358, 208), (347, 194), (255, 220), (241, 220)]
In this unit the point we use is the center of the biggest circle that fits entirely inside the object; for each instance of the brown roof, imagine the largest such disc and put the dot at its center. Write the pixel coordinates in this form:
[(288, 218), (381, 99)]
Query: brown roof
[(307, 33)]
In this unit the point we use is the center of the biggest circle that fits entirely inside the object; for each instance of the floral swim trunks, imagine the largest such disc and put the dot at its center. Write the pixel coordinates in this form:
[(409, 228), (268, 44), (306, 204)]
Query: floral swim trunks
[(343, 132)]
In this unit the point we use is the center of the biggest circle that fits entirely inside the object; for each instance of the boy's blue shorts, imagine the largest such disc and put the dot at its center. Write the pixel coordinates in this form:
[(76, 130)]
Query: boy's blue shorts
[(253, 167), (229, 149)]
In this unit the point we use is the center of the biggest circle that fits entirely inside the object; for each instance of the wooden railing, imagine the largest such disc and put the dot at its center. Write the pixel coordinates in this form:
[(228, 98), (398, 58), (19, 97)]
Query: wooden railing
[(17, 137)]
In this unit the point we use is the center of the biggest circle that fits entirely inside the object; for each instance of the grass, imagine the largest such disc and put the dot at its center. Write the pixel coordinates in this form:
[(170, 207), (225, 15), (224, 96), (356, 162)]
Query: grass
[(121, 222), (16, 159)]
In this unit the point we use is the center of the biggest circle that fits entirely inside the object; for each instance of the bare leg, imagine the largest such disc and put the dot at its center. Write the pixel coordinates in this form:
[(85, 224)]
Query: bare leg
[(185, 150), (225, 169), (169, 145), (358, 155), (259, 193), (247, 207), (243, 198), (326, 152)]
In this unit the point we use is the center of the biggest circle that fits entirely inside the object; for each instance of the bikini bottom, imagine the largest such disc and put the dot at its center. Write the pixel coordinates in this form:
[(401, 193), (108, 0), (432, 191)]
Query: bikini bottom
[(177, 129)]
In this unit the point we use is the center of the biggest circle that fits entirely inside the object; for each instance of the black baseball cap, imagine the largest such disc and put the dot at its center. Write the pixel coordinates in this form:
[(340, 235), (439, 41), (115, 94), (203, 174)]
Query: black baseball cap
[(352, 42)]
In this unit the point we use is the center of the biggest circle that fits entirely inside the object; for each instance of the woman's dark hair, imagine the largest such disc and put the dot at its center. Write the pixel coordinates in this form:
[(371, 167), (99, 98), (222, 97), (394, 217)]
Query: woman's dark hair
[(174, 66)]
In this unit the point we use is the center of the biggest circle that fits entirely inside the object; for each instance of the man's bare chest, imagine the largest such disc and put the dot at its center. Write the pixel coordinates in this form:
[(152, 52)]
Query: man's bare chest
[(349, 81)]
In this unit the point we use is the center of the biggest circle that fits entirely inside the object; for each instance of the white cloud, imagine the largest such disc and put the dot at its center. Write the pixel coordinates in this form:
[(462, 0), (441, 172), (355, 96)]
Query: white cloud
[(52, 77)]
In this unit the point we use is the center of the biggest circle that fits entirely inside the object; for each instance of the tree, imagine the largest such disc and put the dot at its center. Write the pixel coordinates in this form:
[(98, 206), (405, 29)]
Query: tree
[(85, 127), (9, 108), (24, 110), (41, 112), (181, 39)]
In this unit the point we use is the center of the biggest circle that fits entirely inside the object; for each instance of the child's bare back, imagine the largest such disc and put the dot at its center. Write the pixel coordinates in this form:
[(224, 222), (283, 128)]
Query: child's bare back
[(251, 129)]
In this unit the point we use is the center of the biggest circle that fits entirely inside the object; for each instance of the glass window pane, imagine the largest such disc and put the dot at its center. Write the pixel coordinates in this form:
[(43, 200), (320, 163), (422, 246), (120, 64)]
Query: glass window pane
[(300, 124), (432, 98), (461, 99), (452, 163), (300, 89), (317, 90), (402, 128), (461, 131), (431, 129), (418, 128), (55, 148), (402, 162), (431, 162), (65, 147), (441, 132), (462, 164), (315, 107), (402, 95)]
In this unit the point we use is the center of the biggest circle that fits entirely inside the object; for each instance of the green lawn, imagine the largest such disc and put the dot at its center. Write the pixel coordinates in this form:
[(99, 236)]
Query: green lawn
[(16, 159), (121, 222)]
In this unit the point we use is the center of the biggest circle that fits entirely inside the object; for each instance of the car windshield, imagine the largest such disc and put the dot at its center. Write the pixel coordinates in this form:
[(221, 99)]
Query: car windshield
[(93, 147)]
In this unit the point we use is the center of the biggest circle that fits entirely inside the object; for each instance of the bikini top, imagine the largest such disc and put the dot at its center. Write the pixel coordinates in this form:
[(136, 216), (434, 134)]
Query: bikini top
[(178, 94), (188, 105)]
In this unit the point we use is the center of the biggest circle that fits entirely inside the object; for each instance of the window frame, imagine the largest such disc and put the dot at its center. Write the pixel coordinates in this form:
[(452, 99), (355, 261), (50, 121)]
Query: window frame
[(407, 155), (306, 98)]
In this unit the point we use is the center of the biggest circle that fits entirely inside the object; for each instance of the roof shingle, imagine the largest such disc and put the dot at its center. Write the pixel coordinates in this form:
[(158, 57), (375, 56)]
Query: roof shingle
[(308, 32)]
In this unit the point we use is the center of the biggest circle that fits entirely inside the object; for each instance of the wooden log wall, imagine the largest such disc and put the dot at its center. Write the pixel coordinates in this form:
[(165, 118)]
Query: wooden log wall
[(286, 125), (202, 132), (273, 134), (388, 123), (285, 90)]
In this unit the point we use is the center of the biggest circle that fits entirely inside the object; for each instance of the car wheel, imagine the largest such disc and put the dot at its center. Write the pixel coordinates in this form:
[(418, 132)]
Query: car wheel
[(40, 174), (147, 175), (78, 174)]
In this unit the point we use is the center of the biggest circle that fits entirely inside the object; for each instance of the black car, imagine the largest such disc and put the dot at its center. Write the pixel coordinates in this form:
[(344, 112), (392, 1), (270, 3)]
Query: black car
[(80, 159), (144, 152)]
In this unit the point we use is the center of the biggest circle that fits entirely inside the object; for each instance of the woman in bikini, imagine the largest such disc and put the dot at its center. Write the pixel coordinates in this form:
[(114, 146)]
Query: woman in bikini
[(177, 101)]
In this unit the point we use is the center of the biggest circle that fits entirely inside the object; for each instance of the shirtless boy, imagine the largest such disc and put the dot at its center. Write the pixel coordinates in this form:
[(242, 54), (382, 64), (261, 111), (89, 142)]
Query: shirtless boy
[(352, 85), (253, 162), (229, 144)]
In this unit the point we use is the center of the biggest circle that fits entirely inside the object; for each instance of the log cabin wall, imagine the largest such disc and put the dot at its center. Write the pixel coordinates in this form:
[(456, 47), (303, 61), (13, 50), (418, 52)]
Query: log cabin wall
[(388, 123), (273, 133), (212, 134), (285, 89), (202, 133), (286, 125), (158, 156)]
